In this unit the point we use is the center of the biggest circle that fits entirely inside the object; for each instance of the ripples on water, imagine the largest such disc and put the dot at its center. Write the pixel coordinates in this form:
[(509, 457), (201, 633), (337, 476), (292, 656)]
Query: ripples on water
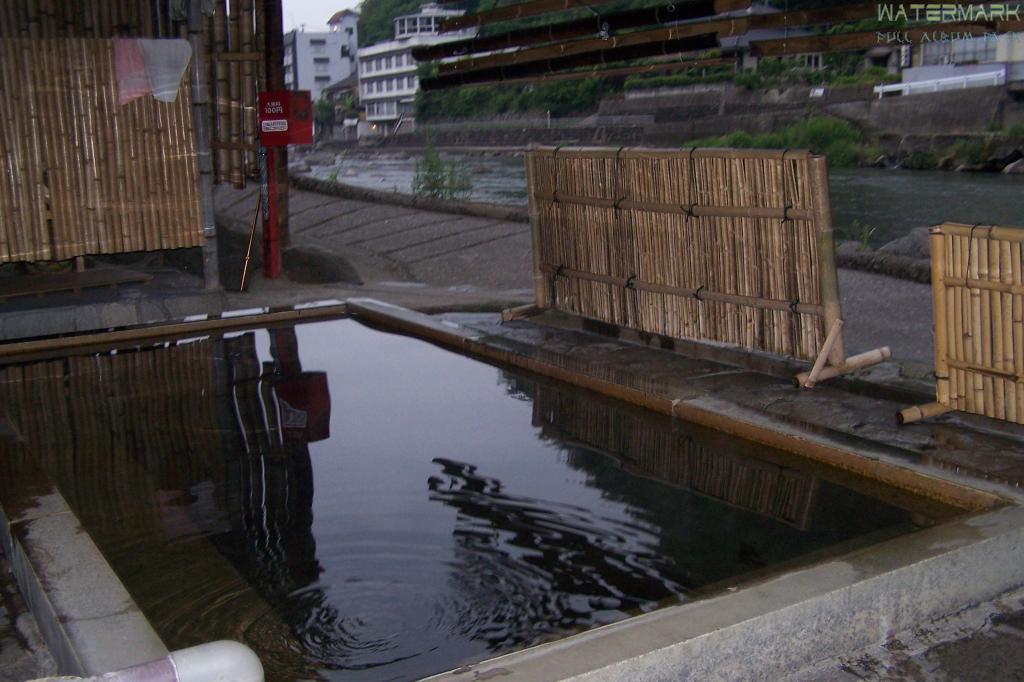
[(383, 509)]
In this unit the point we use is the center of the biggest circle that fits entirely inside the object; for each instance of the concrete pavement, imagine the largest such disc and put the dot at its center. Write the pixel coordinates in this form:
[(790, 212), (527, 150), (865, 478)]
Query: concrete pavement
[(387, 243)]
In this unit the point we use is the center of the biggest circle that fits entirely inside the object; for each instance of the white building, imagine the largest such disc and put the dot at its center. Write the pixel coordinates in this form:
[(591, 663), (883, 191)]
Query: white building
[(983, 54), (387, 70), (312, 61)]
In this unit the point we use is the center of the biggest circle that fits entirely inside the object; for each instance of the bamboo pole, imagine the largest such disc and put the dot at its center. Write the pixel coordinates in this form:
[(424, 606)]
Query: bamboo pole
[(1017, 329), (938, 261), (540, 281), (829, 280)]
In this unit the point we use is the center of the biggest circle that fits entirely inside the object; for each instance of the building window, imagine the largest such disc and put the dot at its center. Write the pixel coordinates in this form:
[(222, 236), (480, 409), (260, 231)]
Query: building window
[(978, 50), (344, 50), (322, 79), (969, 50), (348, 30)]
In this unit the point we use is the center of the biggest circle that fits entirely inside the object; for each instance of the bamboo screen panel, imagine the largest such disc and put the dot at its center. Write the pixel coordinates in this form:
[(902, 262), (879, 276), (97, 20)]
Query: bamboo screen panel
[(978, 290), (82, 175), (694, 463), (235, 57), (733, 246)]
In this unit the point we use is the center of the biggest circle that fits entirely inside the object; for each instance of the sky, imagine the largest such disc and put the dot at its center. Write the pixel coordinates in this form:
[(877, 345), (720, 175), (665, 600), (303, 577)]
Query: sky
[(313, 13)]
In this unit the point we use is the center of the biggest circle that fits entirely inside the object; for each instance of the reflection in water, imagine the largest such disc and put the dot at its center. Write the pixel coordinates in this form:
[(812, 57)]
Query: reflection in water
[(539, 567), (401, 510)]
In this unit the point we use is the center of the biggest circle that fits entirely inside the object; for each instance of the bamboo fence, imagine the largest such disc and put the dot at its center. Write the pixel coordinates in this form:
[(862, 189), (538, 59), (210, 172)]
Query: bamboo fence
[(82, 175), (978, 305), (688, 461), (731, 246), (234, 37)]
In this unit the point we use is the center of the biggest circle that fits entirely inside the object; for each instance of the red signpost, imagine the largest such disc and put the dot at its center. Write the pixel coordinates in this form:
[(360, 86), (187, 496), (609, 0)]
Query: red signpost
[(285, 117)]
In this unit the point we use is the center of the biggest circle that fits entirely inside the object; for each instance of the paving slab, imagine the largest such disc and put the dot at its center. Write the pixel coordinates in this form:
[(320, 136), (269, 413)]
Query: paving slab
[(384, 242)]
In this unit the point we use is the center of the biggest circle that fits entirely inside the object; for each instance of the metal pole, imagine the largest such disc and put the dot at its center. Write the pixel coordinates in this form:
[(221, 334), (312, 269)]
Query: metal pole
[(274, 50), (271, 236), (201, 125)]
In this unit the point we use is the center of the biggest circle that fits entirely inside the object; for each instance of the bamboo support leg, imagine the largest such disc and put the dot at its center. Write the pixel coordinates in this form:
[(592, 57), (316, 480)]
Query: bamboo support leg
[(826, 349), (520, 312), (909, 415), (853, 363)]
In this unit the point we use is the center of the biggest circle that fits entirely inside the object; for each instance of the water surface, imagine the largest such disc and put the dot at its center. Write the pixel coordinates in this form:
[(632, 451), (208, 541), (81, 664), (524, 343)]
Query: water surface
[(358, 505)]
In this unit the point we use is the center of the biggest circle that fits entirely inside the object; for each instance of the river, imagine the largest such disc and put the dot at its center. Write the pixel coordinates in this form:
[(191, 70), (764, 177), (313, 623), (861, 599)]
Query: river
[(886, 203)]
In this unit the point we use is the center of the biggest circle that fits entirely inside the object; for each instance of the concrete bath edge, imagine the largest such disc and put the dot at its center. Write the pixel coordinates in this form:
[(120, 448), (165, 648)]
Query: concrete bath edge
[(86, 616)]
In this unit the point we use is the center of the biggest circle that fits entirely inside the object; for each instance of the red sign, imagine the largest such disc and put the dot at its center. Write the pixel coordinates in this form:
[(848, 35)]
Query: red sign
[(285, 117)]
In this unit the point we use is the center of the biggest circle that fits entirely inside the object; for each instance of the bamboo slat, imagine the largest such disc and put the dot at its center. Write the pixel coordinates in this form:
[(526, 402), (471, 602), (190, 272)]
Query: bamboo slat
[(82, 175), (977, 293), (128, 19), (733, 246)]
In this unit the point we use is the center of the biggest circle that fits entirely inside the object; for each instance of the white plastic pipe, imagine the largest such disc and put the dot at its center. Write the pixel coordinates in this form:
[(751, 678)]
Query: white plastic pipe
[(221, 661)]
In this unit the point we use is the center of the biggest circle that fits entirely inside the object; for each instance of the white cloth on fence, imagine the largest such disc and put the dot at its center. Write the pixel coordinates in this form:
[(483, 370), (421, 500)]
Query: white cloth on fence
[(166, 61), (132, 81), (150, 66)]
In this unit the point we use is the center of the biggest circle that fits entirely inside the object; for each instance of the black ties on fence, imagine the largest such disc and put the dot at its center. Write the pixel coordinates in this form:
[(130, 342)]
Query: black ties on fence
[(693, 187), (970, 253), (696, 294), (631, 282), (793, 305), (618, 183), (786, 204), (785, 213), (554, 174), (560, 271)]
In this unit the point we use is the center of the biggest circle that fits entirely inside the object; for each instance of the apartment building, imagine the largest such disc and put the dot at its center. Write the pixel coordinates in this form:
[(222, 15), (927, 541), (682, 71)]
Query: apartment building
[(387, 70), (314, 60)]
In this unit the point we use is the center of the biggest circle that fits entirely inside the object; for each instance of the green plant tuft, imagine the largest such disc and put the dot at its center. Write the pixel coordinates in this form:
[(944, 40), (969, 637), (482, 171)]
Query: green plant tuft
[(439, 180)]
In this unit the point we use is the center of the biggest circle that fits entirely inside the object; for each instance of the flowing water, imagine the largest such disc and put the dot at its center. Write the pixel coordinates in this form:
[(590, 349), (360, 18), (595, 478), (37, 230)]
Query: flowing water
[(359, 505), (891, 201)]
